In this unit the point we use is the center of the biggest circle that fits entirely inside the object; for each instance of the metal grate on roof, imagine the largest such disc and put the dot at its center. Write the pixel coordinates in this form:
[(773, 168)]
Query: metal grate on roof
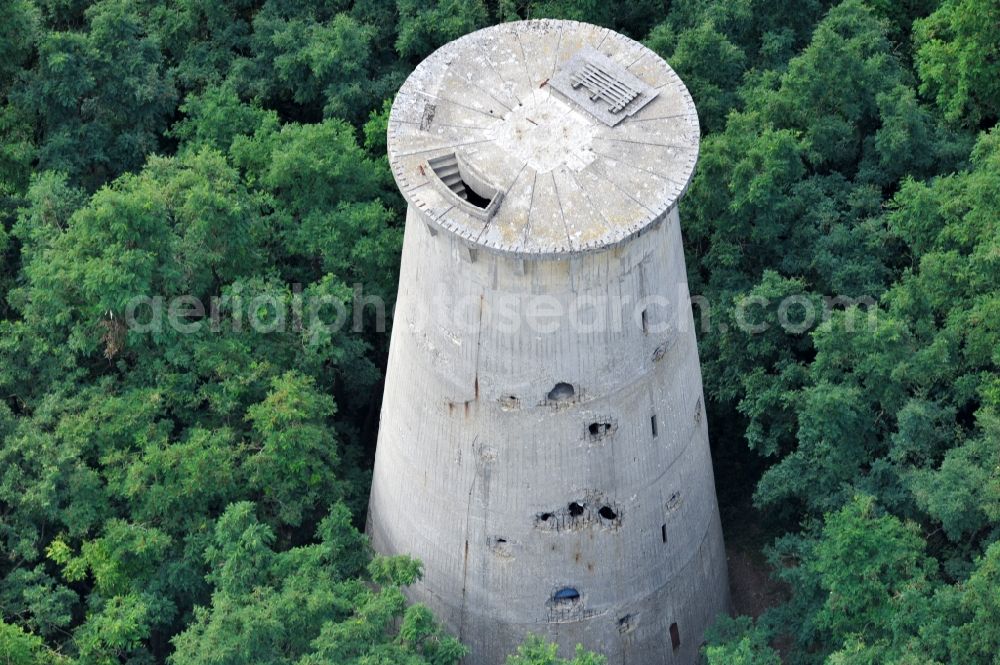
[(601, 86)]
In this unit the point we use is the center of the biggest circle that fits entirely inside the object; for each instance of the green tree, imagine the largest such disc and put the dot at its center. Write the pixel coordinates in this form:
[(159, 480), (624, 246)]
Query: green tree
[(202, 40), (183, 227), (709, 64), (315, 63), (536, 651), (307, 605), (20, 648), (423, 26), (21, 23), (957, 47), (215, 116), (101, 96), (20, 30), (633, 17), (869, 566), (973, 609), (739, 642)]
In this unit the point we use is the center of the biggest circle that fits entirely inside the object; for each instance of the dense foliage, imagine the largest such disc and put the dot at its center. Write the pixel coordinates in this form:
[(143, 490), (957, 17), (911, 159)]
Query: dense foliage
[(195, 497)]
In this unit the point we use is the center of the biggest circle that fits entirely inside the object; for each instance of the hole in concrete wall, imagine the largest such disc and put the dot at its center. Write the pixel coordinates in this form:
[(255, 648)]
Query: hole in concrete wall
[(652, 425), (673, 502), (510, 403), (575, 509), (561, 391), (606, 512), (675, 636), (599, 430), (663, 533), (659, 352), (566, 595), (645, 321), (626, 623), (501, 548), (545, 517)]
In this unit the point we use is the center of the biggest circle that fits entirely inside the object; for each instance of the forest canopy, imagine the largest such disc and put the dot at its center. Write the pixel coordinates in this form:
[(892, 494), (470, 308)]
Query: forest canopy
[(197, 498)]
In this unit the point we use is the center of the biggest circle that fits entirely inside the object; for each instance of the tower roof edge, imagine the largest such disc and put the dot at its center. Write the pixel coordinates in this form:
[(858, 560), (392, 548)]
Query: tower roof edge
[(543, 137)]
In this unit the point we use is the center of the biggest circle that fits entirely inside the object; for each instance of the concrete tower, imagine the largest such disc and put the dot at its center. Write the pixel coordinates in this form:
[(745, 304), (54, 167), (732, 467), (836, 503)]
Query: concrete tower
[(543, 447)]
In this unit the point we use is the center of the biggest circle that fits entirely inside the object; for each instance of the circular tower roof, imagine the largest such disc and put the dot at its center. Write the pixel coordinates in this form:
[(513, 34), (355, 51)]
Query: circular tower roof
[(540, 138)]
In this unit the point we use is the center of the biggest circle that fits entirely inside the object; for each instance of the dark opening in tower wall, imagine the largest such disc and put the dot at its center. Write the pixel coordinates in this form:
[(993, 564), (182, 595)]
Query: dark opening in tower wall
[(566, 595), (561, 391), (663, 533), (675, 636), (608, 513), (652, 425), (575, 509), (599, 430)]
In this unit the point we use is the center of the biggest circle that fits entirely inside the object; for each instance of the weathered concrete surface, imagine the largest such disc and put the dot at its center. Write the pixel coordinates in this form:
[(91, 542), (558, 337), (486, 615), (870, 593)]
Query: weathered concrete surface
[(507, 489)]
